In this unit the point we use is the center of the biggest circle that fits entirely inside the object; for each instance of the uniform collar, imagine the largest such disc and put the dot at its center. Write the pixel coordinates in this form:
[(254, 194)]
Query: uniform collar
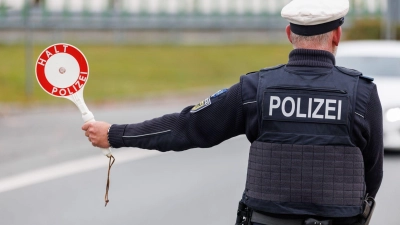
[(311, 58)]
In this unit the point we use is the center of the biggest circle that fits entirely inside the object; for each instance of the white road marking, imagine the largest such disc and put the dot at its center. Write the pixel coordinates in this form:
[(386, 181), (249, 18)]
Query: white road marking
[(71, 168)]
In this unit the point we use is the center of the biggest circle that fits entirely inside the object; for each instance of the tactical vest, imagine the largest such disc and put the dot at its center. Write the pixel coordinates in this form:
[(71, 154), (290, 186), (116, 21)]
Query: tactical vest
[(304, 161)]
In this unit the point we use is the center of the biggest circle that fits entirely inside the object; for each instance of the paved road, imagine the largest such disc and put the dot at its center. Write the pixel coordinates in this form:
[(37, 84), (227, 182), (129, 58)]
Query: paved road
[(200, 186)]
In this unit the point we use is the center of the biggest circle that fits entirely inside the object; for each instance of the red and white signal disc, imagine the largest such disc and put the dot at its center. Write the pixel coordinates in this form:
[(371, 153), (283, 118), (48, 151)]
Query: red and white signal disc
[(62, 70)]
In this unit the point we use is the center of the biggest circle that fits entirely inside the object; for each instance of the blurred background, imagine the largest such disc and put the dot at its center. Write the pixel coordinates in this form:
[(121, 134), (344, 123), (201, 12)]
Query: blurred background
[(148, 58)]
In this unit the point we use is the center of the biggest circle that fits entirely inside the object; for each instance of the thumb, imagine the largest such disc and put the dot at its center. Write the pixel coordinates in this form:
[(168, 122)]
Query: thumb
[(86, 126)]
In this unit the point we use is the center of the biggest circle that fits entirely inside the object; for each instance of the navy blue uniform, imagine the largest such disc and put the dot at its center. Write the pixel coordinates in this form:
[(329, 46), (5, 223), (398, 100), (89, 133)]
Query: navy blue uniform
[(233, 112)]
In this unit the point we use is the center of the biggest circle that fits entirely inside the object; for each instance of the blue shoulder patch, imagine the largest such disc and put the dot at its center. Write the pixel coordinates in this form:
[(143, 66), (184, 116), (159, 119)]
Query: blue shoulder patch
[(220, 92)]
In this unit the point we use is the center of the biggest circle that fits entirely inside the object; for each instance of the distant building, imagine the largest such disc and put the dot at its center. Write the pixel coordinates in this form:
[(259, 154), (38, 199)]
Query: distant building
[(173, 6)]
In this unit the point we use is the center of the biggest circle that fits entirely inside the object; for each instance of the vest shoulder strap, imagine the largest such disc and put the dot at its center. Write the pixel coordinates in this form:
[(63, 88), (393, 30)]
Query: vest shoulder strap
[(348, 71), (353, 72), (370, 79), (249, 73), (273, 68)]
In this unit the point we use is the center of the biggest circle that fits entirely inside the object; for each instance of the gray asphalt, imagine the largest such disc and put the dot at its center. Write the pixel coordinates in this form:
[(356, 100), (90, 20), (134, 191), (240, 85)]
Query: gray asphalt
[(200, 186)]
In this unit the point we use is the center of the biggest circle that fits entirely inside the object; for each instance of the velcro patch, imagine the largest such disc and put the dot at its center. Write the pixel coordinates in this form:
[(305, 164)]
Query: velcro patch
[(317, 108), (220, 92), (202, 105)]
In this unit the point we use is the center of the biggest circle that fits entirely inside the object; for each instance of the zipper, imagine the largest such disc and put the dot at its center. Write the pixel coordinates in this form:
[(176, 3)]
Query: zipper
[(299, 88)]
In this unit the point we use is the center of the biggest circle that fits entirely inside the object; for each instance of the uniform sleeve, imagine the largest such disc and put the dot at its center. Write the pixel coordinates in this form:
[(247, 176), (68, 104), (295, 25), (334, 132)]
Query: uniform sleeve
[(373, 138), (212, 124)]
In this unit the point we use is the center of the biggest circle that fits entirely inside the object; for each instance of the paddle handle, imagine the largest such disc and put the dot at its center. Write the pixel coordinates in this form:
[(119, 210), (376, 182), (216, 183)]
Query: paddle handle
[(106, 151), (87, 116)]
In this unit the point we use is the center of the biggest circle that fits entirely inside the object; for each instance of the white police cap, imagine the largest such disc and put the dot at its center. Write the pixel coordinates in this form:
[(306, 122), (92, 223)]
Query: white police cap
[(314, 17)]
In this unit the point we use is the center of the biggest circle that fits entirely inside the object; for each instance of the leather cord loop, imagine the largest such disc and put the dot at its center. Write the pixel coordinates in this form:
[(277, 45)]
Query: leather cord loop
[(110, 163)]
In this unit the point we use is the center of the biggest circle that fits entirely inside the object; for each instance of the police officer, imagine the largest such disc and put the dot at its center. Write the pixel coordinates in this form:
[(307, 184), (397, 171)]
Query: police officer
[(315, 128)]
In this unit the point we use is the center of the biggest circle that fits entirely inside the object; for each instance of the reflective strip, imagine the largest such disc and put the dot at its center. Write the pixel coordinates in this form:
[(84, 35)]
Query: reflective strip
[(147, 134), (249, 103), (358, 114)]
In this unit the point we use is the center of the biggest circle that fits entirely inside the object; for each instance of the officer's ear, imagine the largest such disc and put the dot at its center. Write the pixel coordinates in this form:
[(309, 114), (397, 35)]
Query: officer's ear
[(337, 35), (289, 33)]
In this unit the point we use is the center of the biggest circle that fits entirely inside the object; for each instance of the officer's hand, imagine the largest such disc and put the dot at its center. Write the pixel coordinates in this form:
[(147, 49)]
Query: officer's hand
[(97, 133)]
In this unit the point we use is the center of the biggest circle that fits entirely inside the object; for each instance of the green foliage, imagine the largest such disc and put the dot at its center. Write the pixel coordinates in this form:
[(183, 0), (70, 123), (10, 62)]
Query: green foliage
[(398, 33), (3, 9), (368, 29), (365, 29), (132, 72)]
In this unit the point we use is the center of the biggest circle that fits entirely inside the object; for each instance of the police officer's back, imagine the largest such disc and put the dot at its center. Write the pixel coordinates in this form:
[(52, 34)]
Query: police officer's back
[(315, 128)]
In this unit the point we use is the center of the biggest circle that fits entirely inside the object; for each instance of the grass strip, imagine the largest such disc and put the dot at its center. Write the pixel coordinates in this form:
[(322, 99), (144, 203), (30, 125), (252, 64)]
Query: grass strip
[(133, 72)]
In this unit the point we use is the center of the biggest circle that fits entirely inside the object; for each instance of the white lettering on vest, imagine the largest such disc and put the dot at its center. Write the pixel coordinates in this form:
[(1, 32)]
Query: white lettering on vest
[(332, 107), (321, 103), (298, 113), (284, 107), (328, 109), (273, 106), (309, 107)]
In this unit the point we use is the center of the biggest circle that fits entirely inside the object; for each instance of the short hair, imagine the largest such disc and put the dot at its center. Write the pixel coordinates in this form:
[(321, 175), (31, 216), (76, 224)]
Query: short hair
[(320, 39)]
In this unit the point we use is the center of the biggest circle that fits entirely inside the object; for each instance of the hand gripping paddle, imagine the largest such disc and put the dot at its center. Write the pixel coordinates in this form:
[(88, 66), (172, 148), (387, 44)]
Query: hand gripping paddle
[(62, 71)]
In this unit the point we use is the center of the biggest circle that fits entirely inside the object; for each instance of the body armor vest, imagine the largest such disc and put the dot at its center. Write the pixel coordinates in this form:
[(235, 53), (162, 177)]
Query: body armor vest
[(304, 162)]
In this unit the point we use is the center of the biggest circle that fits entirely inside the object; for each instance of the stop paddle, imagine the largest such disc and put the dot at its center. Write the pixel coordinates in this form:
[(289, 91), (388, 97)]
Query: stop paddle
[(62, 71)]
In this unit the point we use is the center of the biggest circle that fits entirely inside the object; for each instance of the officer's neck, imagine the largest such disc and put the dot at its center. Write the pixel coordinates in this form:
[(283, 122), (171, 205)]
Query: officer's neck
[(311, 58)]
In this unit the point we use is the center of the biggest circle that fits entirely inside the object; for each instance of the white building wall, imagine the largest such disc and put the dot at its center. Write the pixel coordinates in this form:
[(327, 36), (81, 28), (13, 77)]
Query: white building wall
[(13, 4), (176, 6)]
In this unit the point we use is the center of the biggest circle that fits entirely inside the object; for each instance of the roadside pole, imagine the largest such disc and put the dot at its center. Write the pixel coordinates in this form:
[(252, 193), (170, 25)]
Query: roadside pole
[(28, 51), (392, 19)]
